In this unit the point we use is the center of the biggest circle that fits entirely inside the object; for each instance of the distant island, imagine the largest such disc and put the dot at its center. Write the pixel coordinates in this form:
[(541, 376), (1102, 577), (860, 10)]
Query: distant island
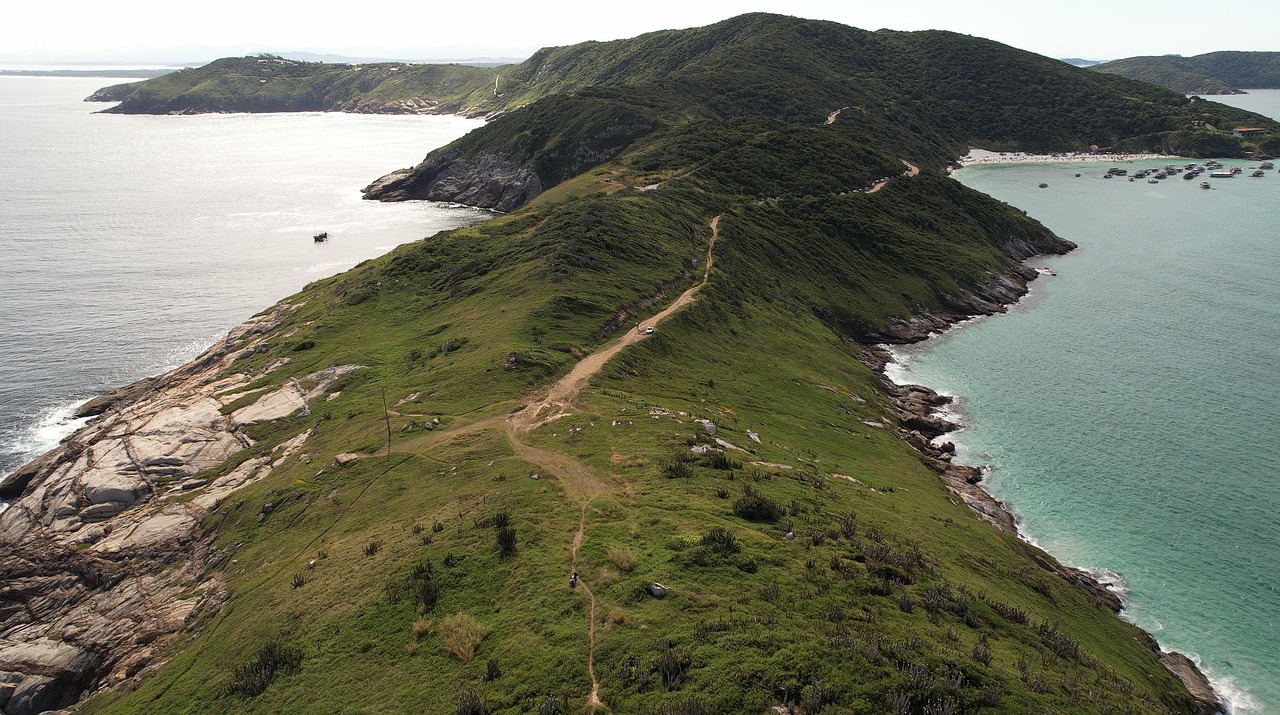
[(1212, 73), (626, 447), (146, 73)]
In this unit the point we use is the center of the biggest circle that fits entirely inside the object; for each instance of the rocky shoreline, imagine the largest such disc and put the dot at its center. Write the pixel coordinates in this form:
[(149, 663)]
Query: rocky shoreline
[(920, 425), (105, 564)]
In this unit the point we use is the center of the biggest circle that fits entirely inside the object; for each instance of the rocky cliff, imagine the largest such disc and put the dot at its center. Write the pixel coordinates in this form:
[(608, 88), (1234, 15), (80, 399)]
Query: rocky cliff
[(103, 562), (485, 181)]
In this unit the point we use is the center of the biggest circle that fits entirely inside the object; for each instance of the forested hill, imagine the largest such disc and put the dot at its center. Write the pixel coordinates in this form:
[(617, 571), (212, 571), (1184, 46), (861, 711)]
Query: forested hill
[(924, 96), (936, 89), (1211, 73)]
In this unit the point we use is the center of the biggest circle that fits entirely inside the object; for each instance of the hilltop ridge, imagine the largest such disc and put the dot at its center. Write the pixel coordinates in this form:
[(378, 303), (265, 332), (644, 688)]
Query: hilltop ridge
[(465, 477), (1227, 72)]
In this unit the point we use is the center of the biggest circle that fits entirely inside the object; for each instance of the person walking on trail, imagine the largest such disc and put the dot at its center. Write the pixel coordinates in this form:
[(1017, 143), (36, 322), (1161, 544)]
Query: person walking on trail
[(573, 580)]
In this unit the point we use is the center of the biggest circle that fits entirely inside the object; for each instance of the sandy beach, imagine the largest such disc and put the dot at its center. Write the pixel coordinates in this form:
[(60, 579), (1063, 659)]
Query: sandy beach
[(978, 157)]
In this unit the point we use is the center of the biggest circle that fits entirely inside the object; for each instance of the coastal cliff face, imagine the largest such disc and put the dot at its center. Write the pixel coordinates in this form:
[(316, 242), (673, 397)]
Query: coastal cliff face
[(104, 560), (485, 181)]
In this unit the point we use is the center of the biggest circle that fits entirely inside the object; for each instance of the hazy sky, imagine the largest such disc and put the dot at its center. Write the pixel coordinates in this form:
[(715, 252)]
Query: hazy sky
[(1094, 29)]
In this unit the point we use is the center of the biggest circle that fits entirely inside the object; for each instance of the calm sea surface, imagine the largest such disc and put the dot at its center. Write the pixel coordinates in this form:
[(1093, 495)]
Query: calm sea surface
[(130, 243), (1128, 408)]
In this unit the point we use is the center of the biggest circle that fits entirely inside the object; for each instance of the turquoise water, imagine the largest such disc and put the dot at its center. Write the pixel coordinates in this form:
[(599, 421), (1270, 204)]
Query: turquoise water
[(1128, 407)]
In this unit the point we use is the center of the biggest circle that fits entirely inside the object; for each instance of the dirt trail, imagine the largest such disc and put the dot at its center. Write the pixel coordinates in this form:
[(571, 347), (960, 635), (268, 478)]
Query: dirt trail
[(556, 402), (580, 481), (593, 700), (912, 170)]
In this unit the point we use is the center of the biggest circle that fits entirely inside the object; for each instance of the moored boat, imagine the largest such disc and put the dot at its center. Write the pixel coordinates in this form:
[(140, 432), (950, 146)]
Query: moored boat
[(1266, 165), (1204, 184), (321, 237), (1258, 172)]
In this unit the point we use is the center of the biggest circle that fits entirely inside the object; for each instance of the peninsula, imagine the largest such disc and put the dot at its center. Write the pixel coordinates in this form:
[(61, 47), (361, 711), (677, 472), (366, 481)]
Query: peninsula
[(1210, 73), (623, 448)]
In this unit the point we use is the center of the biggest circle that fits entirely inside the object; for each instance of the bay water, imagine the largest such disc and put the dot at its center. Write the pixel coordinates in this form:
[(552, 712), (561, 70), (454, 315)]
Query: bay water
[(1127, 407), (131, 243)]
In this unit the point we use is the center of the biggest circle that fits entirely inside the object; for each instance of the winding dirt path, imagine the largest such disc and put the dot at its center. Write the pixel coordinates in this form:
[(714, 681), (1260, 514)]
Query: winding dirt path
[(556, 403), (593, 700), (912, 170), (579, 481)]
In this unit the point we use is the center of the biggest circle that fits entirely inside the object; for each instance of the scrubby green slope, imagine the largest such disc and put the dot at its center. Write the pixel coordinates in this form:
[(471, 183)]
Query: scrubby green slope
[(953, 90), (443, 555), (268, 83), (1210, 73), (892, 594), (926, 96)]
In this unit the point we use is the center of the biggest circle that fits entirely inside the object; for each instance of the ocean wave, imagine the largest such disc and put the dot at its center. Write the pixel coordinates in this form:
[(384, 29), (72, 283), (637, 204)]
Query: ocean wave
[(1234, 696), (48, 428)]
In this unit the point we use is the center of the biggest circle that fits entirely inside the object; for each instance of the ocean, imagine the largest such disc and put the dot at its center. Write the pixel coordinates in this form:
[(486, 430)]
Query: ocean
[(1127, 407), (131, 243)]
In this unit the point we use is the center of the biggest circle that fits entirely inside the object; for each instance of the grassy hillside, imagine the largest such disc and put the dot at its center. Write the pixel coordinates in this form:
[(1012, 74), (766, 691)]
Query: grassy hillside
[(948, 90), (743, 455), (891, 595), (1210, 73), (268, 83), (923, 96)]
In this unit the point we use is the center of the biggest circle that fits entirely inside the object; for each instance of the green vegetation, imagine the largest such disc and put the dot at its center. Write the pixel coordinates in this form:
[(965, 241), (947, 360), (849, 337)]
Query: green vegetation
[(267, 83), (1211, 73), (810, 557)]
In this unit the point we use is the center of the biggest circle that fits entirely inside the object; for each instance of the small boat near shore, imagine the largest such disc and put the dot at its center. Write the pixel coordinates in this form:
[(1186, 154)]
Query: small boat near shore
[(1266, 165), (1257, 173), (1221, 174), (321, 237), (1204, 184)]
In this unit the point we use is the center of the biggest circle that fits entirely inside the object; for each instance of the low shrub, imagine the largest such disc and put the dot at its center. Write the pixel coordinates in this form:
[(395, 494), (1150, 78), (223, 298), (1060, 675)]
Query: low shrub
[(754, 506), (721, 541), (506, 542), (273, 658)]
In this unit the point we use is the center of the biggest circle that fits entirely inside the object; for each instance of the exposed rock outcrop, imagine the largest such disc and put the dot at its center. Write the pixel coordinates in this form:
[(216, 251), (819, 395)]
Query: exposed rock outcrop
[(89, 594), (485, 181), (1196, 682)]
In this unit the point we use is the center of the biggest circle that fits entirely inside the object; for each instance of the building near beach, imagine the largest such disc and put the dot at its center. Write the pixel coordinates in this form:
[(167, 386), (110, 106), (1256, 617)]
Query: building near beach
[(1248, 131)]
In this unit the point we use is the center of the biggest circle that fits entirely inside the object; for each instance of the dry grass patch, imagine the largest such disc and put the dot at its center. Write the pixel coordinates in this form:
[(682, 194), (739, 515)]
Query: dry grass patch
[(461, 635), (421, 627), (622, 558)]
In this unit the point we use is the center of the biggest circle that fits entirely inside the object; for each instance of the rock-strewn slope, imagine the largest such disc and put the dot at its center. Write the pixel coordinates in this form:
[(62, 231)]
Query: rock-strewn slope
[(88, 589)]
